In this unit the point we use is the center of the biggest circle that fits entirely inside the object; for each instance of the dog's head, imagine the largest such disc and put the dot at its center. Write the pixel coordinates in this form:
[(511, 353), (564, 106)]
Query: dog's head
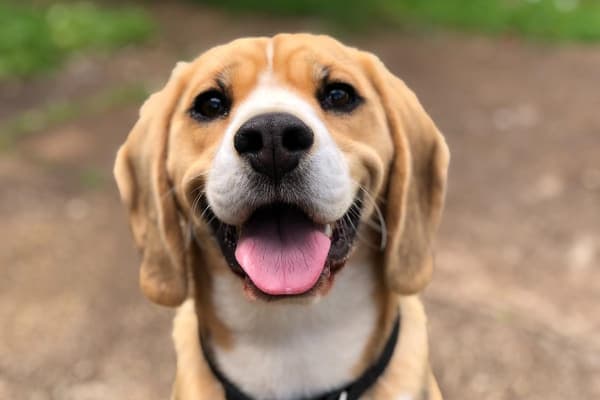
[(274, 152)]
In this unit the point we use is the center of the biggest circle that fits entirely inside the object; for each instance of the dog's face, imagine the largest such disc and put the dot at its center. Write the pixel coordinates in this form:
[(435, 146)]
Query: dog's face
[(275, 152)]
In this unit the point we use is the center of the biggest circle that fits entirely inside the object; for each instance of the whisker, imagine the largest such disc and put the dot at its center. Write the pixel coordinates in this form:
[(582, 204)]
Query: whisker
[(381, 228), (360, 237), (343, 226), (195, 204), (368, 221), (174, 188), (210, 220), (207, 208)]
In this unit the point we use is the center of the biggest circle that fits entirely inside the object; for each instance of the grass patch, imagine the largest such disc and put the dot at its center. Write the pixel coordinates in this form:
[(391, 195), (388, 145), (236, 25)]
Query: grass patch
[(556, 20), (347, 13), (38, 38), (55, 113)]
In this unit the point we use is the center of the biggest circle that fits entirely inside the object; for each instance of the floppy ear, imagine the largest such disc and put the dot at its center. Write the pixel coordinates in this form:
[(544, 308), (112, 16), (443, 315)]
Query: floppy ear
[(416, 183), (141, 175)]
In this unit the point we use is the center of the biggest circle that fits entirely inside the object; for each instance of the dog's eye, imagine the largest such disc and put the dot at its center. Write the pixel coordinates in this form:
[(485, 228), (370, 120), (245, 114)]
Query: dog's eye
[(339, 97), (210, 105)]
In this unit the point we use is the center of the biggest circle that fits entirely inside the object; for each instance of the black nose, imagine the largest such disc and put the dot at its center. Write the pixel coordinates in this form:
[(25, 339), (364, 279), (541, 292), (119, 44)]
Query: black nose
[(273, 143)]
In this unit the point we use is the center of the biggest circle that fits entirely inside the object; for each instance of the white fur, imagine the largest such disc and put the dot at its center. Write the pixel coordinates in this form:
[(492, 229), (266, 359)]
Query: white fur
[(324, 189), (288, 350)]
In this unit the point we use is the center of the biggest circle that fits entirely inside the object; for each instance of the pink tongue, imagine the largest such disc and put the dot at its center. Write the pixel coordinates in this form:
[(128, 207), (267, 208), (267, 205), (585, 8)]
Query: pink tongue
[(282, 251)]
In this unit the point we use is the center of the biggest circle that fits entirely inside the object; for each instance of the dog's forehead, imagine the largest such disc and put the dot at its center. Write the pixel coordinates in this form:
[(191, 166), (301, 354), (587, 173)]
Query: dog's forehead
[(297, 58), (294, 59), (308, 49)]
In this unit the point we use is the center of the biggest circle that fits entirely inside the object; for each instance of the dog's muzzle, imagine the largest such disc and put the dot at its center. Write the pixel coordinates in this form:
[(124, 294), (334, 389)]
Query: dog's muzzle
[(281, 241)]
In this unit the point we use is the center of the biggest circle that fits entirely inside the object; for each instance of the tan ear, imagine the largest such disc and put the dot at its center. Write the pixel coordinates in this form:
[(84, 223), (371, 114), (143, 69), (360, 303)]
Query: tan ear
[(416, 183), (141, 175)]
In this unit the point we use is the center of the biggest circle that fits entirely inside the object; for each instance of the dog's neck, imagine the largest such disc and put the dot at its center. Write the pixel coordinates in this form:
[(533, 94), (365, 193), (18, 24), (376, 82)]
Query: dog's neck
[(288, 350)]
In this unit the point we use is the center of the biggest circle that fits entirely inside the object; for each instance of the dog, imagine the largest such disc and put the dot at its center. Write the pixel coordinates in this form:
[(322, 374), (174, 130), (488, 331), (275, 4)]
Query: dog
[(284, 193)]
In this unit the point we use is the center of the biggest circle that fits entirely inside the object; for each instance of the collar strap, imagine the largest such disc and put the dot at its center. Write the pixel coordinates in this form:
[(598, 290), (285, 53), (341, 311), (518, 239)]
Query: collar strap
[(352, 391)]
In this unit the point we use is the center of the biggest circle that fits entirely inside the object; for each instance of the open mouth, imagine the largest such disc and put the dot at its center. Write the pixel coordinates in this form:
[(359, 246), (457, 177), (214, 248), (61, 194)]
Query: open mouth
[(279, 251)]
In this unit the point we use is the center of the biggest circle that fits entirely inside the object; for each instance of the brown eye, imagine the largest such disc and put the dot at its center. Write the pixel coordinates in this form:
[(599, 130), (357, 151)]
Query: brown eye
[(210, 105), (339, 97)]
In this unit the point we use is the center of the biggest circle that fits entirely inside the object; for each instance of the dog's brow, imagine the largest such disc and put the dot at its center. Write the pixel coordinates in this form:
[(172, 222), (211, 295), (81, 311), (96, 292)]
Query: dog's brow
[(222, 77), (323, 73), (221, 82)]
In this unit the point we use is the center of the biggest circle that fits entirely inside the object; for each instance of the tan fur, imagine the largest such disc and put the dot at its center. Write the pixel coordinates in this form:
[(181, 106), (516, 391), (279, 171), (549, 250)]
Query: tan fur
[(388, 309), (417, 182), (393, 151), (141, 175), (194, 379)]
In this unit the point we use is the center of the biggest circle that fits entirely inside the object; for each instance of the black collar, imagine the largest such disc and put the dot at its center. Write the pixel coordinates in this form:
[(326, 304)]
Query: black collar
[(352, 391)]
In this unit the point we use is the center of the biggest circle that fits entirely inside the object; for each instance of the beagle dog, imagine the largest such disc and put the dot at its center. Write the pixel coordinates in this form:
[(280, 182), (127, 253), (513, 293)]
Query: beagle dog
[(284, 193)]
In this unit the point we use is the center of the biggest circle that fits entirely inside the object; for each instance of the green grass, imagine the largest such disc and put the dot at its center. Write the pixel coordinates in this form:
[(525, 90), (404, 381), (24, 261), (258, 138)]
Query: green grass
[(555, 20), (38, 38), (560, 20), (345, 13), (52, 114)]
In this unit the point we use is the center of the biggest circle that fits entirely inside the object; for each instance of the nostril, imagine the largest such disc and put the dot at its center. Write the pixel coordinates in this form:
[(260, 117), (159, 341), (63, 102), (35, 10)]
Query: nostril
[(297, 138), (248, 141)]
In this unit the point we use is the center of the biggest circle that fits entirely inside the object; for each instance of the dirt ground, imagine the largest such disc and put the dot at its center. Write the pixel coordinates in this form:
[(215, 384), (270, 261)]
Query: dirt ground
[(514, 303)]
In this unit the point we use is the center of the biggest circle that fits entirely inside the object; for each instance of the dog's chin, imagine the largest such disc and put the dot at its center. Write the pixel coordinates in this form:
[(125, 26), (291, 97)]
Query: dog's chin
[(320, 289), (338, 235)]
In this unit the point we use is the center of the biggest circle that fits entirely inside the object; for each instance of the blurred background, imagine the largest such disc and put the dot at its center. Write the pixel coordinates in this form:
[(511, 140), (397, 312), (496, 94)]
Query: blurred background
[(514, 85)]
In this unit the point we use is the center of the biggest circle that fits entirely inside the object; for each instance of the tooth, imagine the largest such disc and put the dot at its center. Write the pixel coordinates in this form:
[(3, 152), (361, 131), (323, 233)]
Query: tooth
[(328, 230)]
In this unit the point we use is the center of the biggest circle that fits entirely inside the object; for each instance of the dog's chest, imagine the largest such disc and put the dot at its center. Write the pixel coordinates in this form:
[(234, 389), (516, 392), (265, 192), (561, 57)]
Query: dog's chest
[(290, 350)]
